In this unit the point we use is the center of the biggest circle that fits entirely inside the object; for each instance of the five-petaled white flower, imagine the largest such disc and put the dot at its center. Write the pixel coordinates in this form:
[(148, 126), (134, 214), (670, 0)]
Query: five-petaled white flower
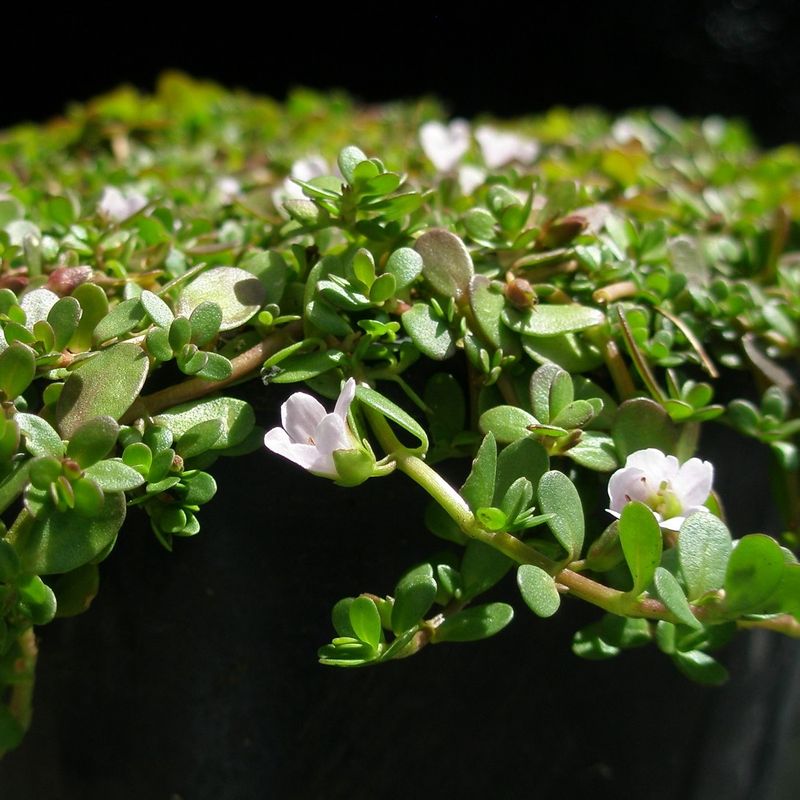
[(310, 436), (499, 148), (117, 206), (672, 490), (445, 144)]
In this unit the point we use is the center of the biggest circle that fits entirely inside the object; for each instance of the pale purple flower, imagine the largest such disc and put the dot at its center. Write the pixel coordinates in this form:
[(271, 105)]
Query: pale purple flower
[(304, 169), (228, 189), (118, 206), (470, 178), (672, 490), (444, 144), (499, 148), (310, 436)]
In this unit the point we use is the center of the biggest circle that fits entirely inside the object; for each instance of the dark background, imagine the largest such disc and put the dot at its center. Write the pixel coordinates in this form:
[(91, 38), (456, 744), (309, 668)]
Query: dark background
[(193, 676), (732, 57)]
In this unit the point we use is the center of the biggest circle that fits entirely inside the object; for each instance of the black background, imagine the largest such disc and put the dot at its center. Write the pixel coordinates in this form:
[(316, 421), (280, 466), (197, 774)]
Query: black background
[(194, 674)]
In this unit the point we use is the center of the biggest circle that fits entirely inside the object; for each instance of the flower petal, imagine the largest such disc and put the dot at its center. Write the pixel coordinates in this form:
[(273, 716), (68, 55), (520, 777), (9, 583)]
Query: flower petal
[(672, 524), (656, 465), (629, 483), (279, 442), (345, 398), (300, 415), (445, 144), (332, 434), (692, 484)]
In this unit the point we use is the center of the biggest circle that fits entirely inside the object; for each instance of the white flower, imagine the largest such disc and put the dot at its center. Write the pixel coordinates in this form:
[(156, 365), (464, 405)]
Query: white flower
[(303, 169), (228, 190), (117, 206), (310, 436), (470, 178), (672, 490), (445, 144), (502, 147)]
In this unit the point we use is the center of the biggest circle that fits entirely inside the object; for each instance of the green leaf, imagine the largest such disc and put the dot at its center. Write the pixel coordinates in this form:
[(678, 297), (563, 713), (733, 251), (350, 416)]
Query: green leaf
[(11, 732), (156, 309), (88, 392), (482, 567), (517, 499), (478, 489), (595, 451), (112, 475), (139, 456), (237, 292), (236, 415), (75, 590), (180, 332), (525, 458), (575, 415), (270, 268), (382, 289), (93, 440), (123, 318), (754, 571), (538, 590), (89, 497), (200, 488), (552, 320), (199, 438), (672, 596), (551, 391), (157, 344), (349, 158), (487, 302), (94, 307), (366, 621), (429, 332), (569, 351), (377, 402), (473, 624), (704, 547), (405, 265), (64, 318), (447, 264), (304, 366), (493, 519), (558, 496), (17, 369), (340, 617), (205, 322), (65, 540), (40, 438), (605, 552), (507, 423), (643, 423), (700, 667), (413, 597), (640, 536), (217, 368), (38, 598)]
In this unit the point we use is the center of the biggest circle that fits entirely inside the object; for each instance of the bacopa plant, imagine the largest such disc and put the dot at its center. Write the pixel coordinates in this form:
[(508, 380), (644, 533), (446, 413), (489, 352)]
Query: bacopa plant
[(580, 289)]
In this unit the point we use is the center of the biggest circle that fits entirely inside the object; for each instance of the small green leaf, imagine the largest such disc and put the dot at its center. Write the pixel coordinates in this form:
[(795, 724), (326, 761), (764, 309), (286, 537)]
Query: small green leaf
[(157, 344), (199, 438), (17, 369), (429, 332), (156, 309), (482, 567), (538, 590), (43, 470), (595, 451), (643, 423), (447, 264), (237, 292), (123, 318), (65, 540), (94, 307), (304, 366), (382, 289), (112, 475), (349, 158), (507, 423), (552, 320), (377, 402), (217, 368), (236, 415), (89, 497), (493, 519), (640, 536), (478, 489), (93, 440), (405, 265), (89, 393), (139, 456), (205, 321), (270, 268), (704, 547), (40, 438), (700, 667), (558, 496), (413, 597), (673, 597), (473, 624), (180, 332), (75, 590), (64, 318), (366, 621), (754, 571), (38, 598), (525, 458), (200, 488)]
